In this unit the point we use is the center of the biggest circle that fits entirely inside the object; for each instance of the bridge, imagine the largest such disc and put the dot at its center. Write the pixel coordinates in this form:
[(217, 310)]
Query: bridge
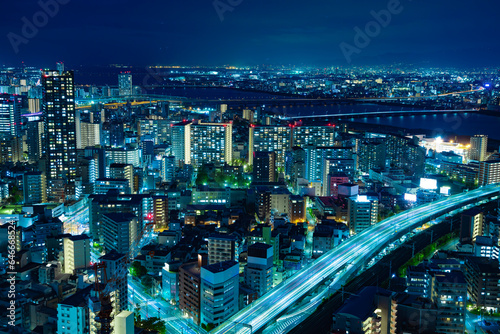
[(385, 113), (344, 260)]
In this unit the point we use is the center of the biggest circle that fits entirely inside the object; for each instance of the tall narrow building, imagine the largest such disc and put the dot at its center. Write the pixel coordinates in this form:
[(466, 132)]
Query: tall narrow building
[(125, 84), (478, 146), (59, 126)]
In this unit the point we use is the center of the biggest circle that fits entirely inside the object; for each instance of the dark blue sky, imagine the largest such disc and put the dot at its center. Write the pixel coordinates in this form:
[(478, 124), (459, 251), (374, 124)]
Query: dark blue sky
[(91, 32)]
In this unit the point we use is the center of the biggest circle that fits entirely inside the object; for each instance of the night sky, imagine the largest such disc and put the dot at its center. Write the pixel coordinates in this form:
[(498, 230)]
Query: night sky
[(251, 32)]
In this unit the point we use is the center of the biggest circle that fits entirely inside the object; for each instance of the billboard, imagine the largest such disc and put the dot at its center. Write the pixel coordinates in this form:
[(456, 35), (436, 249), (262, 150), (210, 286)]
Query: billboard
[(429, 184)]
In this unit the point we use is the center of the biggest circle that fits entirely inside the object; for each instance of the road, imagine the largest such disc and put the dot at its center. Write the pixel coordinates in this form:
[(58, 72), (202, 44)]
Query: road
[(151, 307), (355, 251)]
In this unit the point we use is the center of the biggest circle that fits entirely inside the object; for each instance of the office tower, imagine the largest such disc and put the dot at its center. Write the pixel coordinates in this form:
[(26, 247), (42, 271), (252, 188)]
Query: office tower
[(34, 188), (259, 268), (211, 143), (314, 135), (190, 285), (119, 231), (489, 172), (72, 313), (125, 84), (297, 209), (10, 115), (59, 126), (76, 253), (167, 168), (275, 139), (123, 171), (264, 167), (363, 213), (221, 280), (449, 292), (482, 276), (371, 155), (222, 247), (471, 226), (181, 143), (478, 147)]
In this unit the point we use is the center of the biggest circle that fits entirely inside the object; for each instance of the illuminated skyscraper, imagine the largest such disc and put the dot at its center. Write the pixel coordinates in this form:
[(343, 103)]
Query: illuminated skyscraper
[(478, 146), (59, 125), (270, 138), (315, 135), (10, 115), (125, 84), (211, 143)]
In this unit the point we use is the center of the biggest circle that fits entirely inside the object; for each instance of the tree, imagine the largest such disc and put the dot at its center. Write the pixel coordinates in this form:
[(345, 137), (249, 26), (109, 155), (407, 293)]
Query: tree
[(152, 324), (137, 270), (147, 282)]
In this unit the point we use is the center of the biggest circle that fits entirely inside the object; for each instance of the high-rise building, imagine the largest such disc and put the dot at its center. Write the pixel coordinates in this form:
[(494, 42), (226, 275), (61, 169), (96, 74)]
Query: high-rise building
[(190, 287), (116, 270), (489, 172), (34, 188), (295, 164), (371, 310), (276, 139), (222, 247), (449, 293), (363, 213), (219, 292), (126, 155), (120, 231), (10, 115), (314, 135), (59, 125), (181, 142), (371, 155), (76, 253), (264, 167), (478, 147), (87, 133), (34, 141), (211, 143), (259, 268), (167, 168), (482, 275), (472, 225), (125, 84)]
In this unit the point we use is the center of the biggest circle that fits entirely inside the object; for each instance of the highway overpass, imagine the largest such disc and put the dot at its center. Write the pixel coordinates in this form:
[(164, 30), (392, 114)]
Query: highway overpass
[(350, 255)]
